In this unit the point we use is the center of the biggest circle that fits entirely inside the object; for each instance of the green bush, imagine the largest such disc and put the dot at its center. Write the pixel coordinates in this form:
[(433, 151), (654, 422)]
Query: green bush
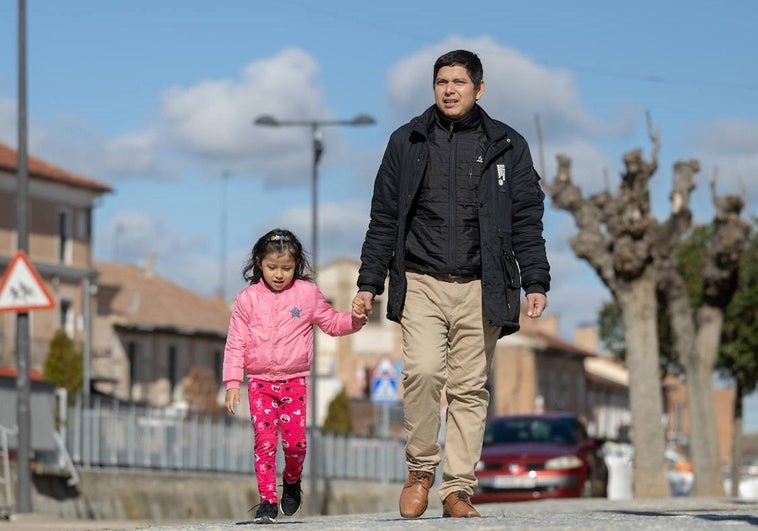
[(64, 365), (339, 419)]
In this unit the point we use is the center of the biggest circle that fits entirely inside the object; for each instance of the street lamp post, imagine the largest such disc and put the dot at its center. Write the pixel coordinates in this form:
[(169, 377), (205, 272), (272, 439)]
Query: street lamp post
[(318, 149), (222, 258)]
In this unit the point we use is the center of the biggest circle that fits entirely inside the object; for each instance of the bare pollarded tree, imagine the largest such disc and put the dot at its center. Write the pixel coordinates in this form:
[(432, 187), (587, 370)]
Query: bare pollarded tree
[(632, 253), (616, 237), (696, 332)]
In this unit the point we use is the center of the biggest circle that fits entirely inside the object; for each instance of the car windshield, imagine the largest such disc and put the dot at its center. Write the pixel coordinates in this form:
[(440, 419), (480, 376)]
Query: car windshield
[(530, 430)]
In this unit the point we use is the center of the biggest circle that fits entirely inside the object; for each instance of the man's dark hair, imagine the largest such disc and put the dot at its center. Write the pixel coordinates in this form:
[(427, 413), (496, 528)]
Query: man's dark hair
[(468, 60)]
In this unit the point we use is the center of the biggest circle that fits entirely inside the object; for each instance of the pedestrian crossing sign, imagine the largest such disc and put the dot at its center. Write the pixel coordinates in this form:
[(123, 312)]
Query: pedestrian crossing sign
[(384, 390), (22, 289), (384, 384)]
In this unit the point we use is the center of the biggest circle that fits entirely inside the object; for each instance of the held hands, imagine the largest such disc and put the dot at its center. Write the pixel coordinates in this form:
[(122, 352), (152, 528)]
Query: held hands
[(359, 311), (364, 300), (232, 400), (536, 303)]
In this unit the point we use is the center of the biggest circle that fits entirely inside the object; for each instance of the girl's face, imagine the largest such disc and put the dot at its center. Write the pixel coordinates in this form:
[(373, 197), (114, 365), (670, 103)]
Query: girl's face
[(278, 270)]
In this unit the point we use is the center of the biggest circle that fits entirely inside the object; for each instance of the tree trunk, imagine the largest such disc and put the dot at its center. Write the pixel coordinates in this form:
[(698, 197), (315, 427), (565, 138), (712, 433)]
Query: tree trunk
[(737, 443), (638, 305), (703, 429)]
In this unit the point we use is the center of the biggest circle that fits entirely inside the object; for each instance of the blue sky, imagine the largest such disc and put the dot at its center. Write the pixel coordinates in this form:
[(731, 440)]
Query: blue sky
[(157, 99)]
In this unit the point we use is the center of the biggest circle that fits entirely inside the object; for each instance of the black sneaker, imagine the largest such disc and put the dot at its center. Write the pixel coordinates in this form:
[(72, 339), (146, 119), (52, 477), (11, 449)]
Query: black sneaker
[(292, 498), (266, 513)]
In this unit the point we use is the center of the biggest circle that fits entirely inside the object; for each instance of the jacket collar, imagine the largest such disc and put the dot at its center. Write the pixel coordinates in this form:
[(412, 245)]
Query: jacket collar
[(493, 130), (469, 122)]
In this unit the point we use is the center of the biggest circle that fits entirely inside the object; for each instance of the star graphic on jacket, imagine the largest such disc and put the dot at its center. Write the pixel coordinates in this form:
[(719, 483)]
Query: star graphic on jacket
[(295, 311)]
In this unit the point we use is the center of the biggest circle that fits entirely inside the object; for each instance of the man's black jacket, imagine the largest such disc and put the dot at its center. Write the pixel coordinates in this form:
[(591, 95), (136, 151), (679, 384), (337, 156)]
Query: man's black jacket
[(511, 205)]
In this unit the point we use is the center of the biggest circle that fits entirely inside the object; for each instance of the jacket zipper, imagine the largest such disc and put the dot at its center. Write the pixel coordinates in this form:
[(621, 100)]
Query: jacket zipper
[(452, 200)]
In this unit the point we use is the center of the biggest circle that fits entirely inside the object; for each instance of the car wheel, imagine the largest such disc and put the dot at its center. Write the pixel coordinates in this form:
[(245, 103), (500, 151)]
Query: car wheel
[(599, 488)]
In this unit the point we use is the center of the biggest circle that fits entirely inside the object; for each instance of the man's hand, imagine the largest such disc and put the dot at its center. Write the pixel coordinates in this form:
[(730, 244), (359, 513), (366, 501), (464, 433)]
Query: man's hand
[(359, 311), (536, 303), (366, 298), (232, 400)]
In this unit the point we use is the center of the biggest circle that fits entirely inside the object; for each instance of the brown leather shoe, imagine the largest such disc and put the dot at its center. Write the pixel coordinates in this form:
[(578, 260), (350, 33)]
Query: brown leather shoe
[(458, 505), (415, 494)]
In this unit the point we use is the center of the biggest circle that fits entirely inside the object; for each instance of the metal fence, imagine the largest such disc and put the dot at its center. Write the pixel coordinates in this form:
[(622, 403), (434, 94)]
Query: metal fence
[(5, 469), (111, 434)]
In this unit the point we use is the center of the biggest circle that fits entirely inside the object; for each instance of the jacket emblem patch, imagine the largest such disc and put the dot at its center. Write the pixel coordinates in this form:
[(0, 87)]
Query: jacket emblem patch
[(479, 159), (295, 311), (500, 174)]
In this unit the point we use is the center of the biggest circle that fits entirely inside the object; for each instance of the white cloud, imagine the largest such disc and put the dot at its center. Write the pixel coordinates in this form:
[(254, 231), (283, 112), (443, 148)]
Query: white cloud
[(70, 143), (589, 164), (136, 153), (728, 147), (206, 126), (130, 236), (8, 124), (214, 118), (516, 87), (341, 228)]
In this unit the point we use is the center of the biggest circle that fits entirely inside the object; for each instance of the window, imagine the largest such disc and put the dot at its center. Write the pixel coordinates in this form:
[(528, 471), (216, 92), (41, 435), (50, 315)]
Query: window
[(64, 236), (551, 390), (66, 317), (218, 364), (581, 398), (83, 225), (172, 376), (563, 399), (131, 354)]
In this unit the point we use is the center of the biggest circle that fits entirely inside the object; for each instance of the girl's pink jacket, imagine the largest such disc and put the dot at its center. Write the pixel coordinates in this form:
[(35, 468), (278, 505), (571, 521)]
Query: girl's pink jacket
[(271, 334)]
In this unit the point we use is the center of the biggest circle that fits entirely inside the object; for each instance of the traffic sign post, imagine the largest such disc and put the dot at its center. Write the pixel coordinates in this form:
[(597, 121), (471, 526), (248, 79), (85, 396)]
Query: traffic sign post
[(22, 290)]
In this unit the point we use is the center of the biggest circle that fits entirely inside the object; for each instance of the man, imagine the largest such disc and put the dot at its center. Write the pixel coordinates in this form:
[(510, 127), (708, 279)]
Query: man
[(456, 219)]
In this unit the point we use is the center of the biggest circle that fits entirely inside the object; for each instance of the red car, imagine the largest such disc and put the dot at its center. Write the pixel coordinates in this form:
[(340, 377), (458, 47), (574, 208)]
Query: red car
[(548, 455)]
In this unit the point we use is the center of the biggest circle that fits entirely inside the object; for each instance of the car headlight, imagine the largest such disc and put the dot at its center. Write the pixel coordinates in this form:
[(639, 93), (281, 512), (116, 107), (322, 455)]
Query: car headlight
[(479, 466), (563, 462)]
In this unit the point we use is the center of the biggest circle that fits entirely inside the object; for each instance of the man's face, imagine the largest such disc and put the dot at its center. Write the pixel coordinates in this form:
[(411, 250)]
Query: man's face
[(454, 92)]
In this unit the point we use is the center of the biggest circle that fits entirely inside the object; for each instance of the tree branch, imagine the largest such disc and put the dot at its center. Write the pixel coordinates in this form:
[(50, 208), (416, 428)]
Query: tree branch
[(590, 243)]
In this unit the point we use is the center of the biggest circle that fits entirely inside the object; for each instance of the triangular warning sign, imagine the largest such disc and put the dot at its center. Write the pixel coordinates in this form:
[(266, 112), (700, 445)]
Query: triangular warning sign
[(22, 288)]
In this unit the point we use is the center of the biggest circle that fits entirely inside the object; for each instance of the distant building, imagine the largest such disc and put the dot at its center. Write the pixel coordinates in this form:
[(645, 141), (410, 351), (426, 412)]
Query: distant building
[(149, 335), (678, 417), (60, 248)]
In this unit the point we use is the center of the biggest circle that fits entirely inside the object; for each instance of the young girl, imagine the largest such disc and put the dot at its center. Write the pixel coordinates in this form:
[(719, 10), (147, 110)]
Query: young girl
[(271, 337)]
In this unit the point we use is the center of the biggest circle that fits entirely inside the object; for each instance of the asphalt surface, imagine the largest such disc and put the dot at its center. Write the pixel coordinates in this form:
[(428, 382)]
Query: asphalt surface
[(646, 514)]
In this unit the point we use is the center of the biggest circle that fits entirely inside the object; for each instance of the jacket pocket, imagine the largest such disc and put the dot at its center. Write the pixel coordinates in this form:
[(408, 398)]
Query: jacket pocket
[(512, 274), (512, 287)]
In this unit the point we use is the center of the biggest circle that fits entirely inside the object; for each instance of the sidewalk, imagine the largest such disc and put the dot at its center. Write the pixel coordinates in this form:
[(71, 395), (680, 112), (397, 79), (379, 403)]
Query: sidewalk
[(659, 514)]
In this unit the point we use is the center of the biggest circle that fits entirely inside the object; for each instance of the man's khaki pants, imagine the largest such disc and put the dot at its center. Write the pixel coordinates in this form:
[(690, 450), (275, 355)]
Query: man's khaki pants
[(445, 345)]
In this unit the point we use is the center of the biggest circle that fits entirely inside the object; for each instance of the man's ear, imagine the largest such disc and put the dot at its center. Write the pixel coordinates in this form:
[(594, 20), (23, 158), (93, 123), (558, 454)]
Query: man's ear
[(480, 90)]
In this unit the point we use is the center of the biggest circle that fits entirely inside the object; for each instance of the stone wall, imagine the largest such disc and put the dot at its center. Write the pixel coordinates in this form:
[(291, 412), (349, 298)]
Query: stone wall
[(107, 494)]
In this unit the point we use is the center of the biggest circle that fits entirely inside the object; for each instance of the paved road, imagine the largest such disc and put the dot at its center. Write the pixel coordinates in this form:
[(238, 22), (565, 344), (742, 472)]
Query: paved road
[(639, 515)]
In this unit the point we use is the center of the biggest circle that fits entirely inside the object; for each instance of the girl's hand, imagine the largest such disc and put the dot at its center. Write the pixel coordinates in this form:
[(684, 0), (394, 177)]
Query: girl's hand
[(232, 400)]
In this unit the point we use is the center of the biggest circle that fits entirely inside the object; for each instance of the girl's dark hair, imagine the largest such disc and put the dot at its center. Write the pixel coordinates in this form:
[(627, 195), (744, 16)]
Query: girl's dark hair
[(276, 241), (468, 60)]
